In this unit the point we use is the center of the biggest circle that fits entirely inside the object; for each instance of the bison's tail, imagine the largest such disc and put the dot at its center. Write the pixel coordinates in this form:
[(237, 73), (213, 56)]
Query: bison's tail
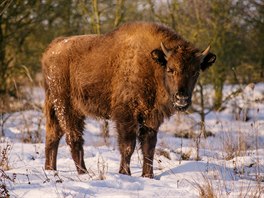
[(50, 113)]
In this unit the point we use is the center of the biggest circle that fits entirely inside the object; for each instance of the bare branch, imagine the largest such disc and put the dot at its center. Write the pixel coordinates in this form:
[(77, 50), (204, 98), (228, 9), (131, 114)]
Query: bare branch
[(4, 5), (118, 13)]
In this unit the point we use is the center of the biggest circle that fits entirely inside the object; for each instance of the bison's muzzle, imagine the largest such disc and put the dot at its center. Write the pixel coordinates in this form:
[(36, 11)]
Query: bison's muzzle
[(181, 102)]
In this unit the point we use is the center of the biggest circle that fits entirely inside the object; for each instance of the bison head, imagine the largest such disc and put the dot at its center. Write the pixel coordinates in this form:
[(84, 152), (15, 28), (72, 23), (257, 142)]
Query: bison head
[(182, 66)]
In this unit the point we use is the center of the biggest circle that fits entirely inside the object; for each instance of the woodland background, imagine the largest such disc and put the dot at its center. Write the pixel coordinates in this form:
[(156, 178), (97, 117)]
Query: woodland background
[(234, 28), (215, 149)]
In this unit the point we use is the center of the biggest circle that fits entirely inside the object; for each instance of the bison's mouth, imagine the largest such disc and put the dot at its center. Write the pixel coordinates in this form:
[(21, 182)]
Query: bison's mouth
[(180, 107)]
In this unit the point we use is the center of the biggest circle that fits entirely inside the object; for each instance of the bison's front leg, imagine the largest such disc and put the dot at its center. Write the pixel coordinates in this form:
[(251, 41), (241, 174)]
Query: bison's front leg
[(127, 143), (148, 140), (127, 134)]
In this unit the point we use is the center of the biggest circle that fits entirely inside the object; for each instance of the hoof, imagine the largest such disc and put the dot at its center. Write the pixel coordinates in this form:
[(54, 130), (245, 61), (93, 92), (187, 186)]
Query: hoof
[(125, 172), (151, 176), (82, 171), (48, 167)]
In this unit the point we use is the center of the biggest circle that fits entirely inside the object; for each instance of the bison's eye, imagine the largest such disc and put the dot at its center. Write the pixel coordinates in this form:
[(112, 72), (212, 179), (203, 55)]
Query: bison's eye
[(170, 70)]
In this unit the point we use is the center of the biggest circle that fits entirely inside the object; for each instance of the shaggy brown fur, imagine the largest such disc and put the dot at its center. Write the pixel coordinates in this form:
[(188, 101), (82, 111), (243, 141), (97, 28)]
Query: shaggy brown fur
[(128, 76)]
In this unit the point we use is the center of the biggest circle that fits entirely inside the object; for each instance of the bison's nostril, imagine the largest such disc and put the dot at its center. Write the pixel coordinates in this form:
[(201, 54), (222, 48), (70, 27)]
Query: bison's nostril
[(181, 97)]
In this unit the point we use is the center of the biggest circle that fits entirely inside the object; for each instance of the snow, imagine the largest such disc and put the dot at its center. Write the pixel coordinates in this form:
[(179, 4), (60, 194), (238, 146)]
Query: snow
[(231, 161)]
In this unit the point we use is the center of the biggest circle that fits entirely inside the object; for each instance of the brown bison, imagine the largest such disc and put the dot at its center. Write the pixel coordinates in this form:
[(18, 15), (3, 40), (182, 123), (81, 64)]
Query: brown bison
[(136, 75)]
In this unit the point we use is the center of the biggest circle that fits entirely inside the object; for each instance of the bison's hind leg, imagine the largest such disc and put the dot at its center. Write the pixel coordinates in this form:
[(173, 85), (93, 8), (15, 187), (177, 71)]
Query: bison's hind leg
[(74, 132), (60, 120), (53, 136)]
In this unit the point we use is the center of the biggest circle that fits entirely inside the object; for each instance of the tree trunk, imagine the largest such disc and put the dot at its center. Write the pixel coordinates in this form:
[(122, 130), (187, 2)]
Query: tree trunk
[(3, 66), (202, 111), (118, 12), (97, 25), (218, 95)]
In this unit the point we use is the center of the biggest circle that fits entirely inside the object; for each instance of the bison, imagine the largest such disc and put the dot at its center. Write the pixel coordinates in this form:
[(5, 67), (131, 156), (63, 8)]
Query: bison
[(136, 75)]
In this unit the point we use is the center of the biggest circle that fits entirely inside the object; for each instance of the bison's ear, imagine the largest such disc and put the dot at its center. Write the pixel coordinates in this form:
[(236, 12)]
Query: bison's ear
[(208, 60), (159, 57)]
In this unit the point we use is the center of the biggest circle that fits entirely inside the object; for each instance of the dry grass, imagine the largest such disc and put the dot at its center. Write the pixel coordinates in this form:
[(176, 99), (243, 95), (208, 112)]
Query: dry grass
[(205, 188), (248, 191), (235, 143), (29, 135), (257, 192), (102, 168), (4, 192), (5, 150), (163, 152)]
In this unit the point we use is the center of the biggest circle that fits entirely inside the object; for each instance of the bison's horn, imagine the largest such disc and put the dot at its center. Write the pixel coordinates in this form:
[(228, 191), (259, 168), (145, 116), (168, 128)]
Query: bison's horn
[(165, 51), (206, 51)]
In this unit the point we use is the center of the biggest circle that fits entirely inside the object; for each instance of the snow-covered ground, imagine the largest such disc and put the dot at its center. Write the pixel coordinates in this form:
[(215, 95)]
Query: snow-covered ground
[(231, 161)]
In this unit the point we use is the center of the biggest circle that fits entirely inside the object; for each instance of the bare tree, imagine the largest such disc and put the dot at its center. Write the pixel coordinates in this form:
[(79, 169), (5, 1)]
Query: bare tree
[(119, 14), (96, 17)]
